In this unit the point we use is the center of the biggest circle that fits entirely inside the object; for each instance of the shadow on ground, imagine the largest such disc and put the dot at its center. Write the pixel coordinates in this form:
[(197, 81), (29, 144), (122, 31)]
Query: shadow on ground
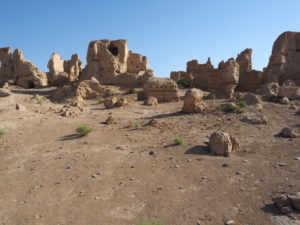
[(34, 92), (160, 116), (199, 150), (71, 137)]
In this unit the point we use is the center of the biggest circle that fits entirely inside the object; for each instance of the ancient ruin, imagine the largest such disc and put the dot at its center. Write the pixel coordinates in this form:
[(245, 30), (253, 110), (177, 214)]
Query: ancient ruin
[(63, 71), (284, 61), (15, 69), (111, 63), (224, 79), (164, 90), (249, 79)]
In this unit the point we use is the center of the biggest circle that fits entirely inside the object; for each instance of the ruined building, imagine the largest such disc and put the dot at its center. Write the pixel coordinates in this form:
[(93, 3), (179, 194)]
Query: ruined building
[(223, 79), (284, 63), (163, 89), (63, 71), (249, 80), (15, 69), (111, 63)]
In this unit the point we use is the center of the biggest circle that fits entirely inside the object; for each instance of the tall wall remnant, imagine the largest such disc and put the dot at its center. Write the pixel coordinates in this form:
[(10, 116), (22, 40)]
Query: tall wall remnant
[(284, 63), (223, 79), (63, 71), (249, 80), (111, 63), (15, 69)]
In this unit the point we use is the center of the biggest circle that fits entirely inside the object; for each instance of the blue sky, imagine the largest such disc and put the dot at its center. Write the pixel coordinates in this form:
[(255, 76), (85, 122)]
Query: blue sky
[(168, 32)]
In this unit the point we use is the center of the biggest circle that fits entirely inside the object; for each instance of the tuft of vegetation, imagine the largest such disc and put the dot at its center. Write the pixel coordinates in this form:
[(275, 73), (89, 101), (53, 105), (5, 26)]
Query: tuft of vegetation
[(100, 100), (178, 141), (137, 125), (239, 107), (185, 83), (242, 104), (2, 132), (83, 130), (149, 222)]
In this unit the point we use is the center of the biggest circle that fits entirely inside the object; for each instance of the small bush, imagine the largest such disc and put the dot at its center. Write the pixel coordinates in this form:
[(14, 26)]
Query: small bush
[(149, 222), (178, 141), (137, 126), (2, 132), (219, 107), (83, 130), (185, 83), (100, 100), (242, 104)]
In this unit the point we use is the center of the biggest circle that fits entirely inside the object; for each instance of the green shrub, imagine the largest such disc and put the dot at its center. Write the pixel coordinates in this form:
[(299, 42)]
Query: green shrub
[(242, 104), (83, 130), (2, 132), (137, 126), (100, 100), (185, 83), (178, 141), (149, 222)]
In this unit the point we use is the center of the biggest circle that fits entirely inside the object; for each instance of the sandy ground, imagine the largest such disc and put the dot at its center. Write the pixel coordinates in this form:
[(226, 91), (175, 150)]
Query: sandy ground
[(120, 175)]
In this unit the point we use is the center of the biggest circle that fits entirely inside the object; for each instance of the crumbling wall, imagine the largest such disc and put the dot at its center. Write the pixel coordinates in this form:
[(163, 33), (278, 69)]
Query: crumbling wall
[(111, 63), (249, 79), (6, 65), (164, 89), (15, 69), (224, 79), (284, 63)]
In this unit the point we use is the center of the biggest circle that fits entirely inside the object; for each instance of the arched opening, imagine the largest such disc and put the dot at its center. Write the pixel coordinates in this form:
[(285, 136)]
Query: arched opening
[(113, 50), (30, 84)]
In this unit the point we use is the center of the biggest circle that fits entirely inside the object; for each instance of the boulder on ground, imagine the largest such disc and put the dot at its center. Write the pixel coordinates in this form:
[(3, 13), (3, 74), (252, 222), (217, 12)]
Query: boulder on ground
[(151, 101), (109, 120), (295, 200), (287, 132), (287, 202), (251, 99), (4, 92), (221, 143), (109, 103), (284, 101), (121, 102), (254, 118), (193, 101), (291, 92)]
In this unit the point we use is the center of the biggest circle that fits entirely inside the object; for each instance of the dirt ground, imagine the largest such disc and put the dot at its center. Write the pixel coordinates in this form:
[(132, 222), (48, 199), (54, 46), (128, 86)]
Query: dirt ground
[(119, 174)]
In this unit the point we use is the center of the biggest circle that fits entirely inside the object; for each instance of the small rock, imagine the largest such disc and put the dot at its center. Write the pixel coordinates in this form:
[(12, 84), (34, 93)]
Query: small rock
[(20, 107), (287, 133), (230, 222), (109, 120), (281, 201), (4, 93), (297, 158), (254, 118), (225, 165), (151, 153), (295, 200), (284, 101), (94, 176), (109, 103), (151, 101), (286, 209), (251, 99), (121, 102)]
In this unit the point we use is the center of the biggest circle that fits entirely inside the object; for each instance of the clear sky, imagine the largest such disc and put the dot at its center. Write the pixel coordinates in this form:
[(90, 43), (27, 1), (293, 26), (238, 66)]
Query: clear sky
[(168, 32)]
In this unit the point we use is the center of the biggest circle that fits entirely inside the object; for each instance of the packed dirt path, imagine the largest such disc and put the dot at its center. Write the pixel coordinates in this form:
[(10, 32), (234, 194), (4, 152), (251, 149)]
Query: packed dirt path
[(131, 170)]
